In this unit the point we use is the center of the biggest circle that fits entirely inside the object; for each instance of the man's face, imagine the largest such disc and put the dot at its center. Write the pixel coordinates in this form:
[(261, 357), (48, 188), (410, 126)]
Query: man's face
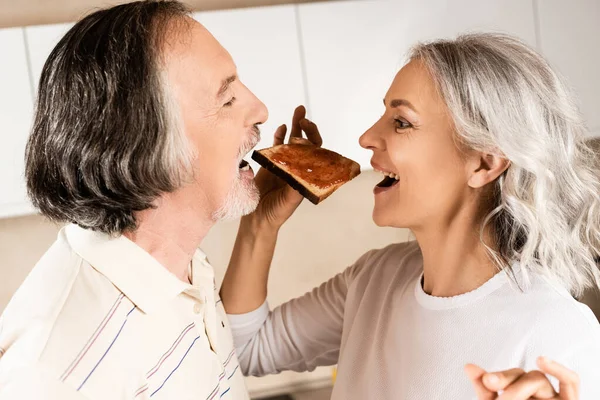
[(220, 118)]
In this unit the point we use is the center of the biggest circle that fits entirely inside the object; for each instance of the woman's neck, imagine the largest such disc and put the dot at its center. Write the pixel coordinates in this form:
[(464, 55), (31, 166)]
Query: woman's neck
[(455, 261)]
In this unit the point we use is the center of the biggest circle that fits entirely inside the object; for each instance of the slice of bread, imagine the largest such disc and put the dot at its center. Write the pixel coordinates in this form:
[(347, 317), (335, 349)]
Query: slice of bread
[(313, 171)]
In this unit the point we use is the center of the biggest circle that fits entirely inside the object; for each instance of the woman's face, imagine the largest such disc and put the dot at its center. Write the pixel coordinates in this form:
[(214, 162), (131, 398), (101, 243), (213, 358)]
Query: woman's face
[(415, 141)]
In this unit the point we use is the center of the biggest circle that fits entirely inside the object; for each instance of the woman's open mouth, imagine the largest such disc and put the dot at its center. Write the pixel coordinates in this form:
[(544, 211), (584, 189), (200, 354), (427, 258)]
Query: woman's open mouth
[(390, 180), (387, 182)]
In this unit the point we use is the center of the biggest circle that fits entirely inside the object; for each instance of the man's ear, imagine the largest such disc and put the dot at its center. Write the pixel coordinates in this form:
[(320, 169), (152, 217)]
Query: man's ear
[(485, 168)]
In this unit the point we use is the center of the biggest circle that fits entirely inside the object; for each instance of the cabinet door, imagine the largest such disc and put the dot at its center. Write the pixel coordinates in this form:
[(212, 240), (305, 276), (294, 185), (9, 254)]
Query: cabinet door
[(570, 38), (354, 48), (41, 39), (264, 45), (15, 120)]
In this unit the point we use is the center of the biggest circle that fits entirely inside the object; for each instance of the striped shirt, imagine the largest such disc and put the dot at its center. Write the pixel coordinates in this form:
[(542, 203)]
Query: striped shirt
[(99, 318)]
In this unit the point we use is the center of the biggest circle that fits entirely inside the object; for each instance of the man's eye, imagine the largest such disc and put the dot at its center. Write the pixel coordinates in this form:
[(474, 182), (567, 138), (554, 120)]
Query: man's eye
[(230, 102)]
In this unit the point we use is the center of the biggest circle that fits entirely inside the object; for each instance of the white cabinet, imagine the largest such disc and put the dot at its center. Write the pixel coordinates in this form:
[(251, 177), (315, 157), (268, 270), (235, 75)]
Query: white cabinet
[(570, 39), (15, 119), (336, 57), (264, 45), (354, 48), (24, 51), (41, 40)]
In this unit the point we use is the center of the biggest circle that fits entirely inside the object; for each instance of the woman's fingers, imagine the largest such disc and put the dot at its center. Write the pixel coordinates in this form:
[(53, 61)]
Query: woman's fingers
[(279, 136), (475, 374), (568, 380), (312, 131), (299, 115)]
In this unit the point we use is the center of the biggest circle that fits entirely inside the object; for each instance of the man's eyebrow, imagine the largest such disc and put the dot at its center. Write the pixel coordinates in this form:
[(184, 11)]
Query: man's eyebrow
[(225, 85)]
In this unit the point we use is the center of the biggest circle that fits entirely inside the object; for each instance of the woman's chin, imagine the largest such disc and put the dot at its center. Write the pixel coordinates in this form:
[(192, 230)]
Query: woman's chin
[(388, 218), (381, 218)]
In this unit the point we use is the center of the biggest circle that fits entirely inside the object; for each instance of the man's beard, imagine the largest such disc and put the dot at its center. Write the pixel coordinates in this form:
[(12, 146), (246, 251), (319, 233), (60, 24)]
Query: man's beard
[(243, 197)]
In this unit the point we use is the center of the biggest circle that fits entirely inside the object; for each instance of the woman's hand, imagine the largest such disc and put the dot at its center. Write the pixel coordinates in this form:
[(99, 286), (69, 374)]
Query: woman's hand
[(278, 200), (244, 287), (517, 384)]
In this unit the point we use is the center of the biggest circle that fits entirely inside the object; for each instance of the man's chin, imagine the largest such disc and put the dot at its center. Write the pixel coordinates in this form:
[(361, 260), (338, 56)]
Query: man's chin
[(250, 203), (251, 208), (238, 204)]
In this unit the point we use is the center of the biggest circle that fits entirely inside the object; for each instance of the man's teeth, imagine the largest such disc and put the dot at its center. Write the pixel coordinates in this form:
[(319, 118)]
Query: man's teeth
[(389, 174)]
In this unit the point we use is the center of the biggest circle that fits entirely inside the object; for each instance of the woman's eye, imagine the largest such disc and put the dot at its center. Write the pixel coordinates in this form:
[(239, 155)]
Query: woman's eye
[(229, 103), (401, 124)]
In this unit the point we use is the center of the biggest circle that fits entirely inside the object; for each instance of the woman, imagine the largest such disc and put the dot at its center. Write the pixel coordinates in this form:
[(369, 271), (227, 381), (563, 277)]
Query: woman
[(482, 150)]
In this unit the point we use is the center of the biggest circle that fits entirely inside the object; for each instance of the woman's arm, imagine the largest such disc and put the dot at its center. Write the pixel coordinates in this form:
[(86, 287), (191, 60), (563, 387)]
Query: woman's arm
[(299, 335), (303, 333)]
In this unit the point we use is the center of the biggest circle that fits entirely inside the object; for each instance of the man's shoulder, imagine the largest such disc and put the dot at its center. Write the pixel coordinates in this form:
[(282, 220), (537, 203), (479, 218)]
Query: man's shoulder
[(52, 275), (61, 280)]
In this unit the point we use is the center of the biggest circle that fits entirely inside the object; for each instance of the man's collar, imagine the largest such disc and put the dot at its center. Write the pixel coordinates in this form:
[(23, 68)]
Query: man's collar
[(138, 275)]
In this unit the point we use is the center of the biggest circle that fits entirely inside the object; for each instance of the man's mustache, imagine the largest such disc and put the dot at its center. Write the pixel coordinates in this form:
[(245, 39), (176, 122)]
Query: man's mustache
[(251, 142)]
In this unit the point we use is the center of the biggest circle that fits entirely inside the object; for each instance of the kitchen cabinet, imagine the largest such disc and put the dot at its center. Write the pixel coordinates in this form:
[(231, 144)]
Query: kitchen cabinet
[(338, 58), (354, 48), (570, 39), (265, 46), (16, 107), (41, 40)]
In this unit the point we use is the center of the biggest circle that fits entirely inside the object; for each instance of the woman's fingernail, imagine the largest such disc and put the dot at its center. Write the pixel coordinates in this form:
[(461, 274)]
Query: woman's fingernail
[(492, 379), (545, 360)]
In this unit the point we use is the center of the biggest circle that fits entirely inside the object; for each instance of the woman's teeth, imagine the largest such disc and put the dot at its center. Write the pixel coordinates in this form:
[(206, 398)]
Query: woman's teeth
[(389, 174)]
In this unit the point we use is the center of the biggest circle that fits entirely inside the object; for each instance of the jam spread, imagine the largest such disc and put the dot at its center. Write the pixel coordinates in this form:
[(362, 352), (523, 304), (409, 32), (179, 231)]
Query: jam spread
[(319, 167)]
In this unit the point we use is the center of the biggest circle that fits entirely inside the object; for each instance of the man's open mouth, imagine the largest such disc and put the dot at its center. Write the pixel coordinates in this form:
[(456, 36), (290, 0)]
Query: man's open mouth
[(244, 166)]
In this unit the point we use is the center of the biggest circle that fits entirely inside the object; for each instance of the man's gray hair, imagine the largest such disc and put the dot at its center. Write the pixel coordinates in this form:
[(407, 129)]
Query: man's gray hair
[(106, 139)]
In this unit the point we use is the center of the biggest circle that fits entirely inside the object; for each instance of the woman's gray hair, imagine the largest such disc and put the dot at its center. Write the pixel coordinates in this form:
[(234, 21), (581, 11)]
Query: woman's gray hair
[(504, 98), (106, 139)]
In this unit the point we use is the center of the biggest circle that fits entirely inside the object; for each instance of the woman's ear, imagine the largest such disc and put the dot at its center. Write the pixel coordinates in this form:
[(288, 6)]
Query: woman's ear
[(485, 168)]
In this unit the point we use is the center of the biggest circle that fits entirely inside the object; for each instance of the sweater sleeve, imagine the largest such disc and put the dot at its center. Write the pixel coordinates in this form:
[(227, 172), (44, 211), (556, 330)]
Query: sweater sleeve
[(570, 335), (299, 335), (584, 358)]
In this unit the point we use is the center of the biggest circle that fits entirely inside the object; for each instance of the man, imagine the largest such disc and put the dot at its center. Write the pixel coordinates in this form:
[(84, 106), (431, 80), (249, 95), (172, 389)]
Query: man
[(139, 133)]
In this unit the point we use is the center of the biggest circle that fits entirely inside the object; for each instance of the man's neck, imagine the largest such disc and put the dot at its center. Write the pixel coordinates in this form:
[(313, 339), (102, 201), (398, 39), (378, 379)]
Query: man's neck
[(172, 232)]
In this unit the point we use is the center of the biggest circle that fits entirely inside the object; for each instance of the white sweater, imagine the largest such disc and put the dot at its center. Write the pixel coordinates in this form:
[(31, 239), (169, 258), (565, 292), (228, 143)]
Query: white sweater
[(393, 341)]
